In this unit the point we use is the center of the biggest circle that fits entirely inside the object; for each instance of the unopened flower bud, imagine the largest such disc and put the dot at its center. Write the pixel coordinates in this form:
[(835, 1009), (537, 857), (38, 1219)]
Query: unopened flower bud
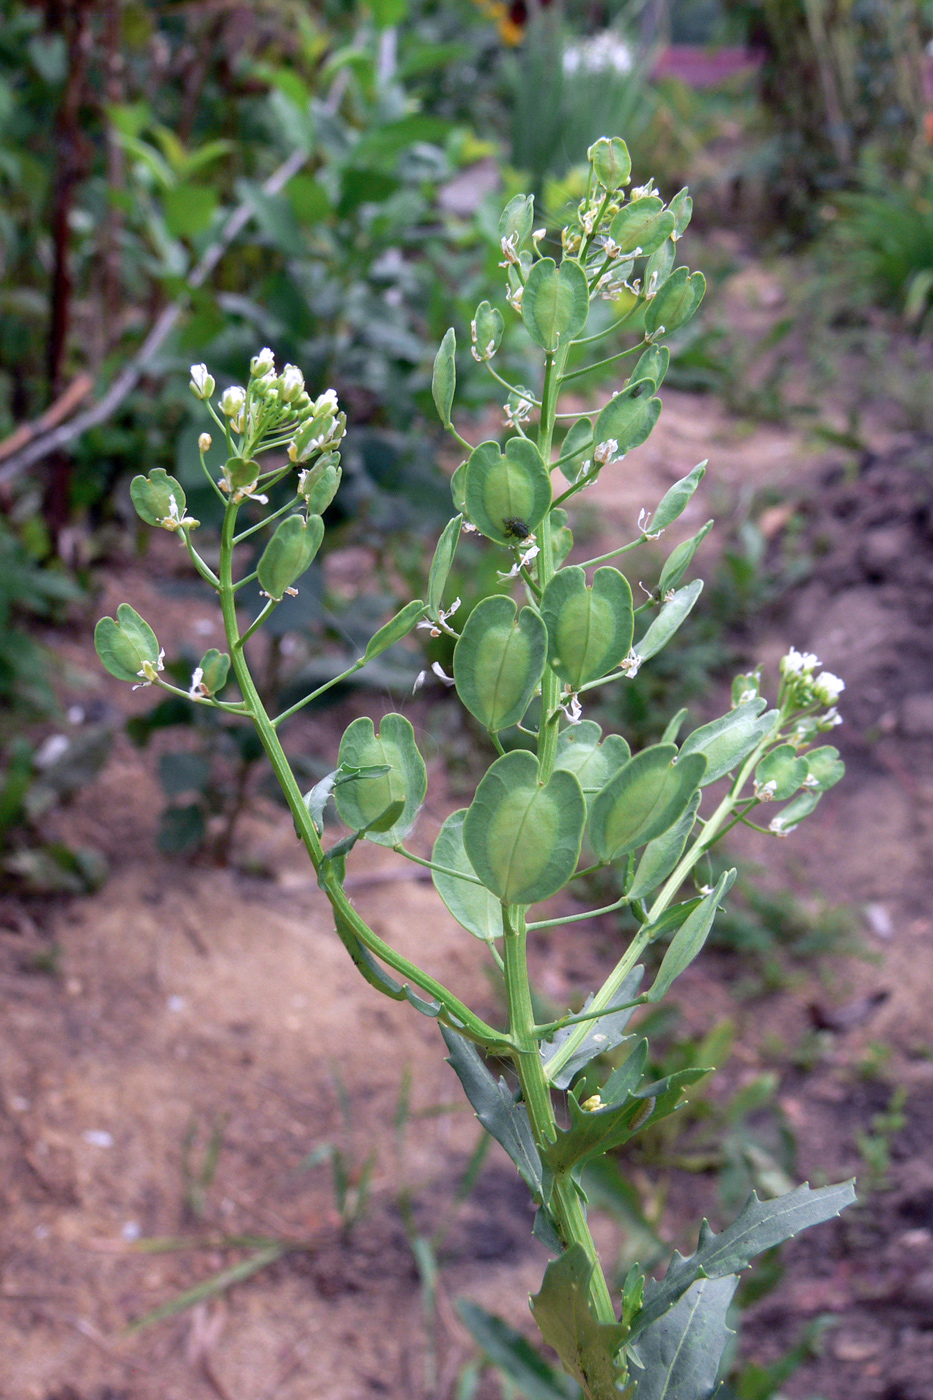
[(291, 384), (202, 384), (263, 363), (204, 442), (232, 401)]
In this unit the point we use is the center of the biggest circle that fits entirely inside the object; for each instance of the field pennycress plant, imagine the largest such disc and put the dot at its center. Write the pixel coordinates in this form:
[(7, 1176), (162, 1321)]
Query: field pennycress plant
[(561, 798)]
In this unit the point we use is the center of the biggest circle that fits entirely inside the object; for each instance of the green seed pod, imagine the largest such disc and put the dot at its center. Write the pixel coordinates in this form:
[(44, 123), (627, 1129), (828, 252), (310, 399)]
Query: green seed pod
[(555, 302), (516, 222), (589, 629), (505, 495), (211, 674), (642, 226), (241, 474), (611, 162), (523, 838), (288, 554), (127, 646), (360, 802), (160, 500), (444, 376), (486, 331), (498, 661), (675, 303), (317, 486)]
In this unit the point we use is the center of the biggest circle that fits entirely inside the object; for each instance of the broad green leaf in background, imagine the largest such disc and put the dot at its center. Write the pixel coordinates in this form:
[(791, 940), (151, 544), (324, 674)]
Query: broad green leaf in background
[(506, 496), (359, 803), (555, 302), (642, 226), (509, 1351), (589, 628), (725, 742), (689, 939), (581, 750), (659, 267), (523, 838), (681, 1352), (441, 564), (126, 644), (588, 1348), (669, 619), (644, 799), (629, 416), (472, 905), (675, 303), (444, 378), (289, 554), (498, 661)]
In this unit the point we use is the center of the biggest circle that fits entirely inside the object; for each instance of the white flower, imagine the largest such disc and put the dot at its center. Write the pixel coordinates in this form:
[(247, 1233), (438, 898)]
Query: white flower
[(148, 671), (442, 616), (606, 451), (326, 402), (797, 663), (514, 298), (776, 824), (631, 665), (827, 688), (522, 562), (644, 520), (829, 720), (765, 791), (441, 674), (202, 384), (232, 401), (175, 520), (519, 413), (261, 364), (204, 442), (509, 246), (291, 383), (196, 688), (572, 708)]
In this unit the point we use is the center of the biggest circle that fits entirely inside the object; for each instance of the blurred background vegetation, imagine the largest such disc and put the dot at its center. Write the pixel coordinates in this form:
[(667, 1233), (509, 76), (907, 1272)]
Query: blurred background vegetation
[(187, 181)]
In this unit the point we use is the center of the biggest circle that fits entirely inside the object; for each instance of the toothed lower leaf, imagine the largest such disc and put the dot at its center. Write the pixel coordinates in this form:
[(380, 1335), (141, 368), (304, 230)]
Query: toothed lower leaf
[(681, 1352), (588, 1348)]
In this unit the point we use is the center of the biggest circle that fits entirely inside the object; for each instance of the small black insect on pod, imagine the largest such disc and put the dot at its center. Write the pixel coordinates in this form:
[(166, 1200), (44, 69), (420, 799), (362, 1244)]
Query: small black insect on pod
[(515, 527)]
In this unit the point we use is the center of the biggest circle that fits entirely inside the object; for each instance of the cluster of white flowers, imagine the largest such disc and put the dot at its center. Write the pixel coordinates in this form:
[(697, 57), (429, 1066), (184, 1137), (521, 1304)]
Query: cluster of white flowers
[(798, 669), (603, 53)]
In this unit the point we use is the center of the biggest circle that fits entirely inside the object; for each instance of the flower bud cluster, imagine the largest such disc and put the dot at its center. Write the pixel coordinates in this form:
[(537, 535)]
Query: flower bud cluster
[(802, 686), (273, 409)]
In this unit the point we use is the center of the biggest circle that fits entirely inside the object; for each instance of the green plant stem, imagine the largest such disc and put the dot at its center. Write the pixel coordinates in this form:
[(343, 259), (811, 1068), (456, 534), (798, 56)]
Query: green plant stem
[(613, 553), (454, 1012), (245, 534), (564, 1203), (257, 622), (334, 680), (601, 364), (441, 869), (607, 993), (578, 918), (520, 393), (206, 573)]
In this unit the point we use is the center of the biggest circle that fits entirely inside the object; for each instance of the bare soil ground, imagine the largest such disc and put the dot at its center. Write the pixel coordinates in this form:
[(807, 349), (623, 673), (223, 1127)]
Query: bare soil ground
[(192, 1001)]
